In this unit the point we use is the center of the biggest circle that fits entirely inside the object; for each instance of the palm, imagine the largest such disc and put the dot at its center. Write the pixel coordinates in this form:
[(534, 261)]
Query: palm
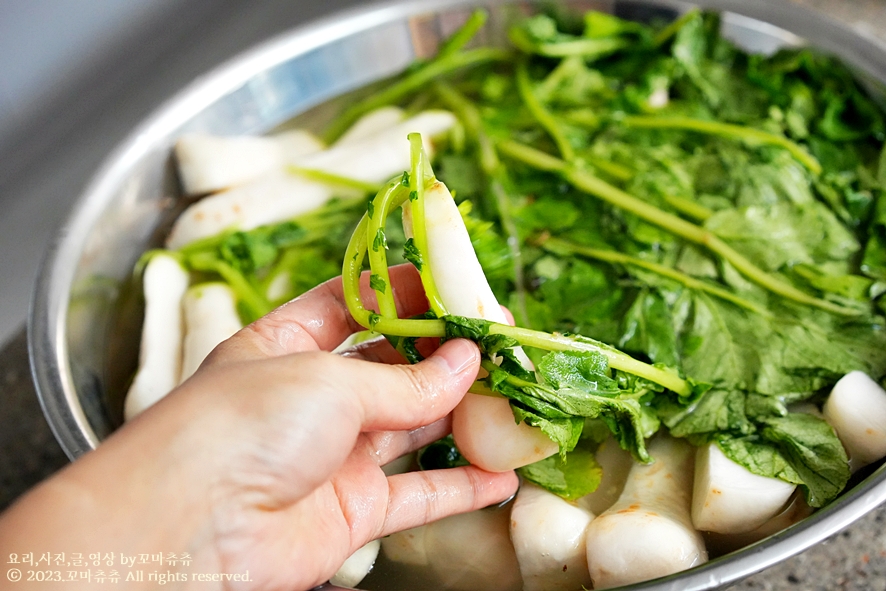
[(289, 517)]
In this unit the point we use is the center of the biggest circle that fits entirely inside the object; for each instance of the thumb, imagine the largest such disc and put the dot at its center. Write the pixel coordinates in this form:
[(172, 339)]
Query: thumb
[(396, 397)]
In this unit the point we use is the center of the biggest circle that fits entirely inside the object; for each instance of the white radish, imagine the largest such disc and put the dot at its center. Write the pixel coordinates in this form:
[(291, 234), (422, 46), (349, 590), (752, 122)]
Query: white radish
[(210, 311), (728, 498), (160, 356), (615, 464), (357, 566), (278, 196), (272, 198), (377, 157), (796, 510), (473, 551), (548, 534), (484, 428), (208, 163), (371, 123), (648, 533), (856, 409), (487, 435)]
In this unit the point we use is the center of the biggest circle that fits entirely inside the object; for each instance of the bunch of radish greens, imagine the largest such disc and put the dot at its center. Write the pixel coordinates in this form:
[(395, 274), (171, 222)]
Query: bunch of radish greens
[(717, 218)]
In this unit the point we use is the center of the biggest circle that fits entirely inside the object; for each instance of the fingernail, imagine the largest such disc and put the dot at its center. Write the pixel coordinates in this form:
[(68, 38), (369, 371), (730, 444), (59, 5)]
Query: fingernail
[(458, 355)]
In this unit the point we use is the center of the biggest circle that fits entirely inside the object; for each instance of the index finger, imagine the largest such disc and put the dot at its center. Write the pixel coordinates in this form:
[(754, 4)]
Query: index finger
[(318, 320)]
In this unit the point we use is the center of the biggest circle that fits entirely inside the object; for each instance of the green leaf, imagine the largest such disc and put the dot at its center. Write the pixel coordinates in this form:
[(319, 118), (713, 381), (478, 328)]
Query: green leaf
[(568, 388), (412, 254), (782, 234), (760, 457), (377, 283), (647, 327), (467, 328), (873, 263), (689, 49), (380, 241), (587, 372), (571, 477), (849, 116), (813, 450), (719, 342), (718, 411)]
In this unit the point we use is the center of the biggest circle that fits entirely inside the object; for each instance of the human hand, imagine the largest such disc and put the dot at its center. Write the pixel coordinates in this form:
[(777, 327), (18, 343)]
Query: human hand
[(268, 459)]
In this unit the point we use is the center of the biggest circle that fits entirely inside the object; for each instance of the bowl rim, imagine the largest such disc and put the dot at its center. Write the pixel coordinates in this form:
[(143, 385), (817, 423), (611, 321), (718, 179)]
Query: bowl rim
[(47, 318)]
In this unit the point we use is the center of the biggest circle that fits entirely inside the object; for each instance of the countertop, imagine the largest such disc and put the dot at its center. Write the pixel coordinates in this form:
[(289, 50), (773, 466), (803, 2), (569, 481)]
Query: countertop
[(854, 559)]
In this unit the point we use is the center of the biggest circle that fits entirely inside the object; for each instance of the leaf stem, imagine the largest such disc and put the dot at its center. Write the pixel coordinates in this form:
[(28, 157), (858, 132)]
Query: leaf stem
[(255, 303), (386, 199), (675, 25), (541, 114), (559, 246), (464, 34), (418, 182), (586, 182), (430, 71), (329, 178), (727, 130), (618, 360), (688, 207), (497, 179), (352, 269)]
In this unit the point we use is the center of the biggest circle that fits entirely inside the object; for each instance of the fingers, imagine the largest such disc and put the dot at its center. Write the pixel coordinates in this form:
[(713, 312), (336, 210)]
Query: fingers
[(417, 498), (386, 446), (397, 397), (317, 320), (377, 350)]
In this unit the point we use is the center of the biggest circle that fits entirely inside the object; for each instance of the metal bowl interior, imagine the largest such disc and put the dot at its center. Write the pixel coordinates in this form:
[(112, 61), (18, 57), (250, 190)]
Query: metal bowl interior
[(84, 323)]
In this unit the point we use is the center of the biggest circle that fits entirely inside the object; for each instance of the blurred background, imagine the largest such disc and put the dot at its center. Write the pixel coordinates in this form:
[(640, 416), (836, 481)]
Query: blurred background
[(77, 75)]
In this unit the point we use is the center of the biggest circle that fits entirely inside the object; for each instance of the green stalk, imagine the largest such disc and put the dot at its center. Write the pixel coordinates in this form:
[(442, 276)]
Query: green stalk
[(315, 223), (255, 303), (726, 130), (616, 171), (567, 68), (559, 246), (671, 29), (352, 269), (590, 184), (583, 117), (329, 178), (586, 48), (541, 114), (417, 185), (464, 34), (386, 199), (432, 70), (688, 207), (618, 360), (496, 176), (480, 388)]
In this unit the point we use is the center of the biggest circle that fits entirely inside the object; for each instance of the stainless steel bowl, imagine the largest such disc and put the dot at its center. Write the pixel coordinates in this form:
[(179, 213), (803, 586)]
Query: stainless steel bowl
[(82, 331)]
